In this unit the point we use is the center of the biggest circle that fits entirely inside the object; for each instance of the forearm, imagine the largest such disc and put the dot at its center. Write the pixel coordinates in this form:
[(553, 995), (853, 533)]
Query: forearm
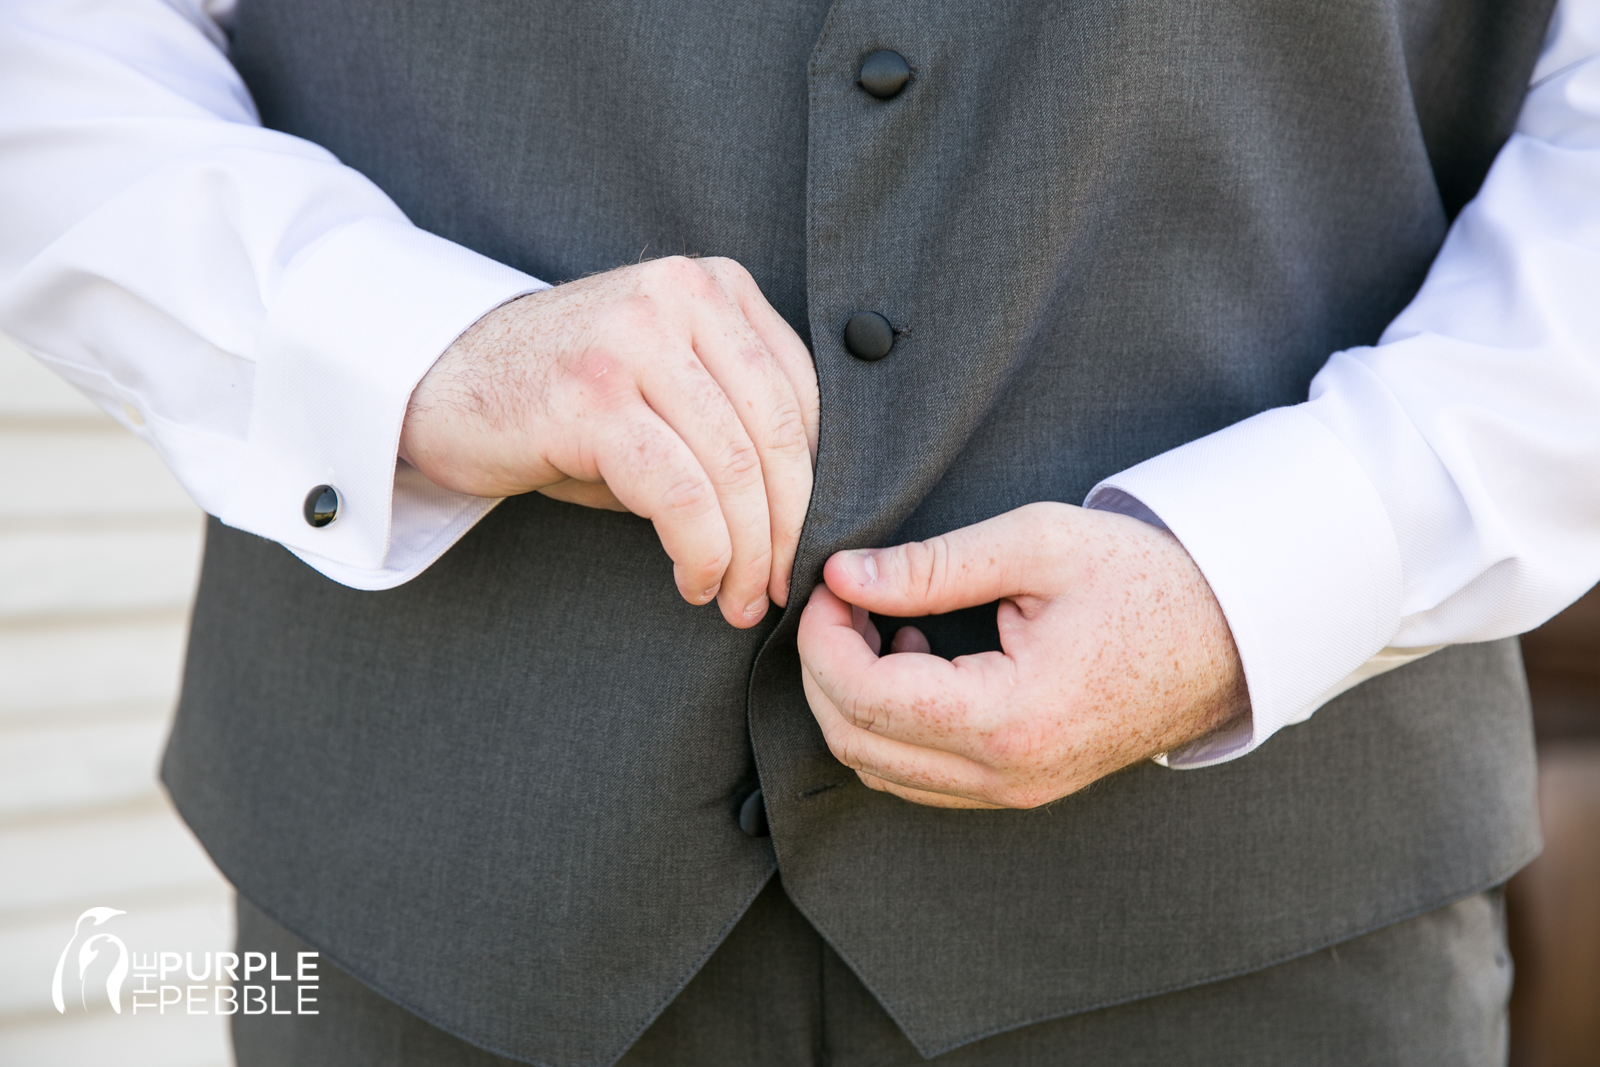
[(1438, 487), (253, 308)]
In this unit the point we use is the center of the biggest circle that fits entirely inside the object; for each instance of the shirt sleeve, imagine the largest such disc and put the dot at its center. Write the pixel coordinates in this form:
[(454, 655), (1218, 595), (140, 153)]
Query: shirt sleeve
[(1442, 486), (255, 310)]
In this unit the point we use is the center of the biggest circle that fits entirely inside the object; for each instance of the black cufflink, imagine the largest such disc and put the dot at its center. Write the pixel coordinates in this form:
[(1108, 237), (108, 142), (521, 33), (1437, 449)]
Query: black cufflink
[(322, 505)]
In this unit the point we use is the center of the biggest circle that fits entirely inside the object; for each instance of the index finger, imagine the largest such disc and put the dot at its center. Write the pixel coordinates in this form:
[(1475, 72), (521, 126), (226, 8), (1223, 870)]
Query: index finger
[(653, 473), (922, 774), (788, 351), (780, 422), (909, 697)]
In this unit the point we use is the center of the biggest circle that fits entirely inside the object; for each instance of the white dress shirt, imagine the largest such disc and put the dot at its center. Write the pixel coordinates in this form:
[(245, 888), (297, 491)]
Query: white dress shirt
[(260, 313)]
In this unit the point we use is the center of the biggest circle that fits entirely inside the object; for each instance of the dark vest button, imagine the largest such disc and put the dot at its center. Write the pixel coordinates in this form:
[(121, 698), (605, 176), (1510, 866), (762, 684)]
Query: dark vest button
[(753, 815), (322, 505), (868, 335), (885, 73)]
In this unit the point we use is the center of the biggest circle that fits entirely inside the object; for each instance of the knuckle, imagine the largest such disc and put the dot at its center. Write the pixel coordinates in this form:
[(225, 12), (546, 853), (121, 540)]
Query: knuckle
[(866, 713), (787, 433), (683, 274), (688, 498), (601, 377), (741, 465), (853, 754), (636, 313), (634, 447), (925, 564), (845, 747), (674, 266), (730, 269)]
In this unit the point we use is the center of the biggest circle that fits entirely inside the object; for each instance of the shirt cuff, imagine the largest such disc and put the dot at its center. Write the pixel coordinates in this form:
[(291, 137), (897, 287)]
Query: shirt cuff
[(1299, 551), (359, 319)]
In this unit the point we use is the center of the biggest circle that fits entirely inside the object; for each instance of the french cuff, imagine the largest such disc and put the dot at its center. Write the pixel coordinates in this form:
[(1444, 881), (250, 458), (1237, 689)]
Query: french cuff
[(356, 324), (1301, 556)]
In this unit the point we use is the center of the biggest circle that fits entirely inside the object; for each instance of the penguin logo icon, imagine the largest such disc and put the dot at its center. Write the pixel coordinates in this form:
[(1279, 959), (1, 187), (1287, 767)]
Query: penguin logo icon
[(87, 954)]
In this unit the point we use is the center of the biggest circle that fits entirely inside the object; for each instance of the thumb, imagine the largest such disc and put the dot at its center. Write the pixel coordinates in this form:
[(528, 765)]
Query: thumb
[(961, 569)]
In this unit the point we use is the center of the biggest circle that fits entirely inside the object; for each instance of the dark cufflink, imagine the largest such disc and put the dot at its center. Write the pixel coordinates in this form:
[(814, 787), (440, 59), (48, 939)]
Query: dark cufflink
[(868, 335), (884, 74), (322, 505)]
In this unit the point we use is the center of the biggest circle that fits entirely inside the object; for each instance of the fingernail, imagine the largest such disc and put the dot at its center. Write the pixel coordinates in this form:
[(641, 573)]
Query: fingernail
[(711, 594), (755, 607), (861, 565)]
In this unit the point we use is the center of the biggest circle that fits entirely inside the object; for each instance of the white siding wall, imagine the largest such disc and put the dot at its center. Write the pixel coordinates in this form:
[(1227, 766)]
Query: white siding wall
[(99, 550)]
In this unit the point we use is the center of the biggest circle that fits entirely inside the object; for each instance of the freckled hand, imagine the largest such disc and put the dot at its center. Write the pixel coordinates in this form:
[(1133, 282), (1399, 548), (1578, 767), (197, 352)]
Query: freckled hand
[(1113, 650), (670, 389)]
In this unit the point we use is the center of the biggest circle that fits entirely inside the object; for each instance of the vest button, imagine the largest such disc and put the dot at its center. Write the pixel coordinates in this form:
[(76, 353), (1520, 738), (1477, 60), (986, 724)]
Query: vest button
[(868, 335), (322, 505), (753, 815), (884, 74)]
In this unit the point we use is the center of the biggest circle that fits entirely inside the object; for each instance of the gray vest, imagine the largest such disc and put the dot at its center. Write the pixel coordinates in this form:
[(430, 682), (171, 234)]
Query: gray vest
[(504, 794)]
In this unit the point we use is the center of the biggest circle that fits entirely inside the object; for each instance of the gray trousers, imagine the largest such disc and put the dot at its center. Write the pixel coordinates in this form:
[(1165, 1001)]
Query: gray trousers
[(1428, 991)]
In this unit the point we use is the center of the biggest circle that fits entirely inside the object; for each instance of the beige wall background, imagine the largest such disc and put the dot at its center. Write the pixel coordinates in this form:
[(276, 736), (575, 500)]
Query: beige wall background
[(99, 552)]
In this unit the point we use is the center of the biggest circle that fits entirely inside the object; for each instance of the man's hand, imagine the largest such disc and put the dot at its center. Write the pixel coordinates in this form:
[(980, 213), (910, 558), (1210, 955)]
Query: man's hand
[(670, 389), (1114, 651)]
